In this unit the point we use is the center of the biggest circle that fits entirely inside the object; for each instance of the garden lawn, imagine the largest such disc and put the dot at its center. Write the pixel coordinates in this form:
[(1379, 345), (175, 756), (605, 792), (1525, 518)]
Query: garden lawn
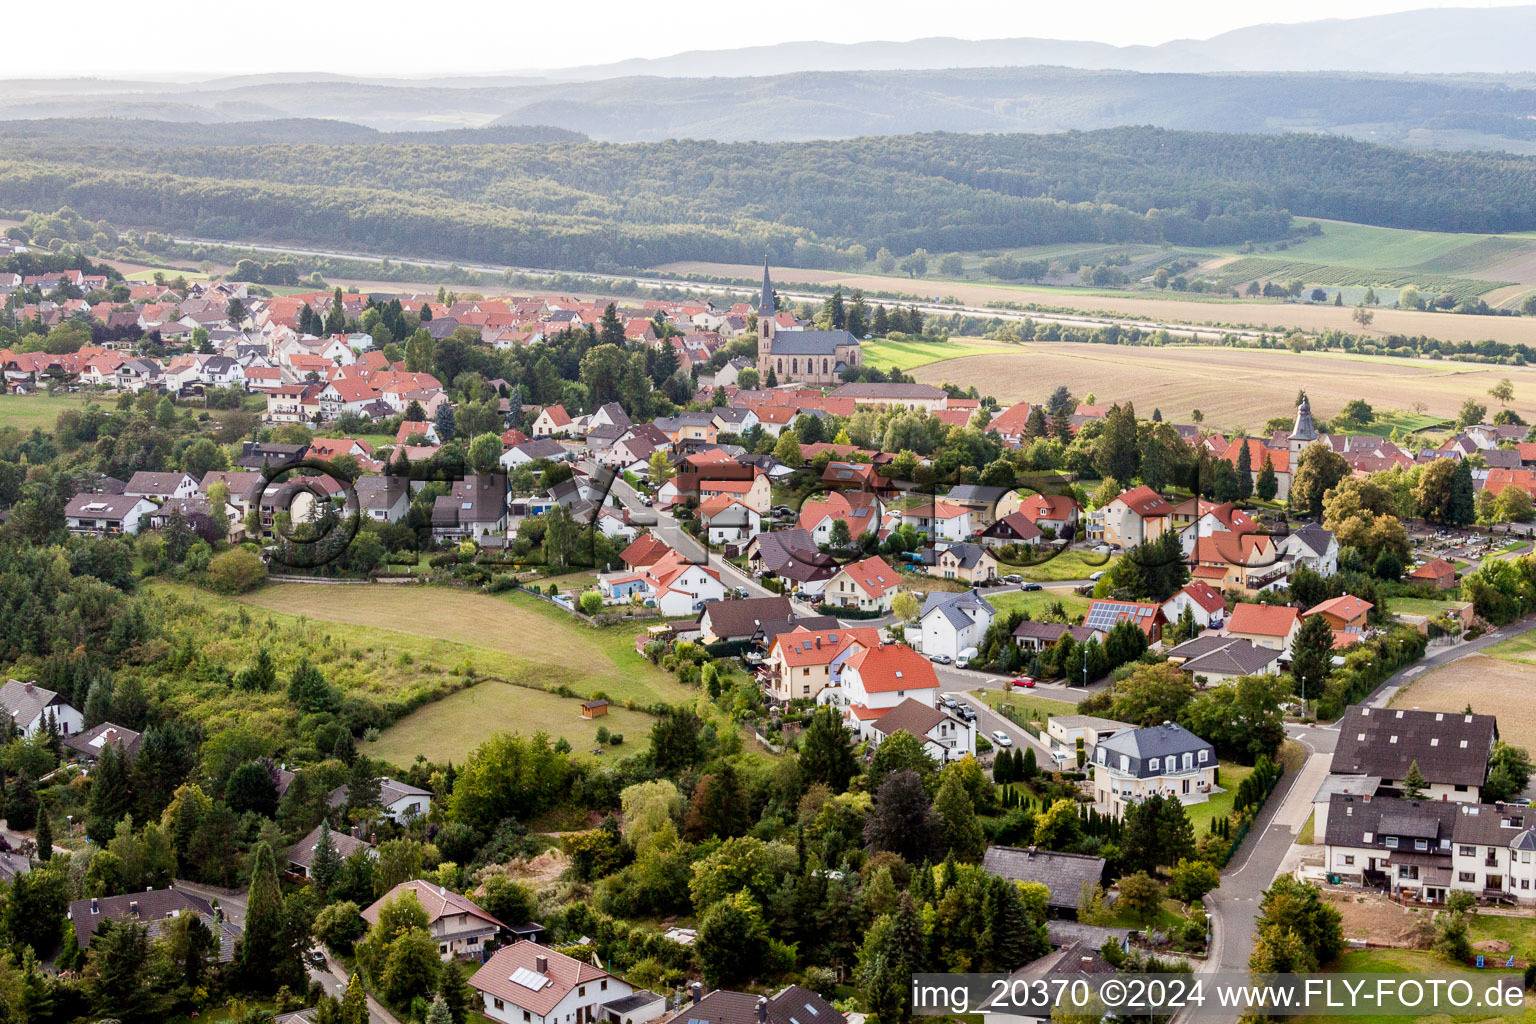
[(1038, 602), (449, 729), (1400, 961), (1419, 606), (1516, 648), (1519, 932), (1069, 565), (1027, 704), (1220, 804)]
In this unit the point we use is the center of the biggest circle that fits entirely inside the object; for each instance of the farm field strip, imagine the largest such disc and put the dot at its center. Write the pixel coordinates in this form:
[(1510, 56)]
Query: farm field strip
[(1491, 685)]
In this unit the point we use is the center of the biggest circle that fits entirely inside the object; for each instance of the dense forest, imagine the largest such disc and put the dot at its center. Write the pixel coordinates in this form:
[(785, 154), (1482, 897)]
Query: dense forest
[(600, 205)]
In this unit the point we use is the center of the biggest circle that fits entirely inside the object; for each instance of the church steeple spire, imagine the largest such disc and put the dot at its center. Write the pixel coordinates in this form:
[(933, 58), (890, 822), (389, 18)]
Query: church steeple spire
[(1304, 430), (765, 303)]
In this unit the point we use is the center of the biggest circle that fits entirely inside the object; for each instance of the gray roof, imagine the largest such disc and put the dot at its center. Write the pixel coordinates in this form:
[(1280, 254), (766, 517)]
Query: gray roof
[(149, 907), (1064, 874), (978, 493), (390, 790), (378, 493), (1091, 722), (25, 701), (765, 301), (955, 606), (1237, 658), (633, 1001), (344, 843), (912, 716), (1050, 632), (893, 392), (743, 618), (91, 505), (1314, 537), (541, 448), (1159, 741), (1064, 933), (1304, 430), (1351, 818), (155, 484), (91, 742), (810, 343), (814, 623), (967, 554), (1450, 748)]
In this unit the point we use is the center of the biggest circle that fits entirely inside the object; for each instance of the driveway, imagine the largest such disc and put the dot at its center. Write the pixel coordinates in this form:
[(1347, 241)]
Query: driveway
[(989, 721)]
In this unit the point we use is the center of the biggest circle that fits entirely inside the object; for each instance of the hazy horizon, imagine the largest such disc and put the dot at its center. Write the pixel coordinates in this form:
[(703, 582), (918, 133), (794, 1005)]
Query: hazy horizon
[(293, 38)]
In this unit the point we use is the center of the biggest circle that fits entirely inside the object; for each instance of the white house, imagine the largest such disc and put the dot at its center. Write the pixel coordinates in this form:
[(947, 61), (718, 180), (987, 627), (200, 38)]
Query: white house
[(1312, 547), (400, 802), (681, 588), (941, 520), (107, 513), (945, 737), (31, 707), (552, 420), (876, 679), (160, 486), (729, 521), (526, 983), (952, 623), (1209, 607), (1166, 760)]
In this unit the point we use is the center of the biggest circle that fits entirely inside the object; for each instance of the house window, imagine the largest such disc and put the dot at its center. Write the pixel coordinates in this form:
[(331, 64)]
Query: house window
[(1152, 765), (502, 1006), (442, 947), (1349, 860), (1466, 851), (1421, 844), (581, 990), (1391, 842), (1465, 876), (602, 986), (1205, 755)]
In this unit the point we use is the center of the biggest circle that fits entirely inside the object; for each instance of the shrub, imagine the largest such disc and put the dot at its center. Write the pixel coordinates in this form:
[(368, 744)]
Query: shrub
[(236, 572), (591, 602)]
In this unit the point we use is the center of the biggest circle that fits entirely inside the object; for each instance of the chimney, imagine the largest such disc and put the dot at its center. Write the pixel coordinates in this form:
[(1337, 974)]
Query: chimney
[(357, 831), (1031, 852), (697, 989), (133, 908), (762, 1010), (31, 687), (541, 964), (95, 905)]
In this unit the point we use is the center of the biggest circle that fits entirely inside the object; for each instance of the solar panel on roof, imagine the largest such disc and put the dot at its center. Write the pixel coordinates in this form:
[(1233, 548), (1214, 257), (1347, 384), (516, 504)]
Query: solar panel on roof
[(529, 979)]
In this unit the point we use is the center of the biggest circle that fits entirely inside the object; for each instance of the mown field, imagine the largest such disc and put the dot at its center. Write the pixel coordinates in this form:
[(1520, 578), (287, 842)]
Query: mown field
[(904, 355), (510, 636), (24, 412), (1403, 961), (1232, 387), (449, 729), (1038, 602)]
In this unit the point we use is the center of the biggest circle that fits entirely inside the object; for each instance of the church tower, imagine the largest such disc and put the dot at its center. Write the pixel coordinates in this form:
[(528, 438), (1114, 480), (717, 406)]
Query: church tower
[(765, 323), (1303, 433)]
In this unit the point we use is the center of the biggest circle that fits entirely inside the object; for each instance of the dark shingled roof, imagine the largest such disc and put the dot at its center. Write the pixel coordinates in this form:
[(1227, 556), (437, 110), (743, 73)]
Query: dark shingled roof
[(811, 343), (1064, 874), (741, 619), (793, 1005), (1451, 749)]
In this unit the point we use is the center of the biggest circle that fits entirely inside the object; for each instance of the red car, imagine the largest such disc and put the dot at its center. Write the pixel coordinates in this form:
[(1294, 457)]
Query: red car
[(1024, 681)]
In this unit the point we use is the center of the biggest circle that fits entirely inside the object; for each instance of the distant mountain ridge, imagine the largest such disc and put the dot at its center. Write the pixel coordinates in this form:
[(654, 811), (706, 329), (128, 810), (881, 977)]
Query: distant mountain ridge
[(1440, 40)]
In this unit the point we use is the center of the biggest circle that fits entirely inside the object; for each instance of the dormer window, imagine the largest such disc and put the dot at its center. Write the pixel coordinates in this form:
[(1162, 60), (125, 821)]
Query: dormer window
[(1391, 842)]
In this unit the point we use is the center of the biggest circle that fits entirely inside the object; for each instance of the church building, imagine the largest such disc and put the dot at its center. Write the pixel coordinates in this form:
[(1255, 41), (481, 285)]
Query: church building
[(796, 356)]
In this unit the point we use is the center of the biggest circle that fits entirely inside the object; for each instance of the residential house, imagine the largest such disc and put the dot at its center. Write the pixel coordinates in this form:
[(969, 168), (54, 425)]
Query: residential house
[(680, 587), (1312, 547), (919, 397), (160, 486), (1165, 759), (1212, 658), (244, 487), (399, 801), (99, 514), (1238, 563), (1345, 612), (1427, 849), (953, 623), (939, 520), (1267, 625), (343, 844), (1134, 517), (383, 498), (727, 520), (1056, 512), (804, 661), (793, 557), (88, 744), (417, 428), (152, 908), (1104, 614), (1067, 876), (876, 679), (1206, 603), (866, 585), (1451, 749), (475, 509), (983, 501), (944, 737), (861, 510), (457, 925), (736, 621), (31, 708), (1037, 636), (646, 550), (526, 983), (1279, 459), (551, 421), (755, 491), (792, 1005), (970, 563), (1013, 528), (533, 451), (1062, 970)]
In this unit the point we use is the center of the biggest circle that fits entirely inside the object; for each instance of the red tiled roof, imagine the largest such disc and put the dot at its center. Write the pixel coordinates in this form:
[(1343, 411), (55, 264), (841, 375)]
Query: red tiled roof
[(872, 574), (1279, 458), (1345, 606), (1145, 502), (1263, 619), (801, 646), (564, 973), (646, 549), (1435, 568), (889, 667), (1056, 507), (1204, 596)]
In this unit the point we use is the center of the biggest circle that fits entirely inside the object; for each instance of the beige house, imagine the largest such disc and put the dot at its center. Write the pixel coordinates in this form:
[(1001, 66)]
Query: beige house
[(456, 925), (970, 563), (1136, 764), (803, 662), (868, 585), (1264, 625), (1135, 517)]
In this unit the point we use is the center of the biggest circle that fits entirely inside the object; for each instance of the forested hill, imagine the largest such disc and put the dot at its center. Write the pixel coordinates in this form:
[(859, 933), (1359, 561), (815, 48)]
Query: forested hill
[(148, 134), (602, 205)]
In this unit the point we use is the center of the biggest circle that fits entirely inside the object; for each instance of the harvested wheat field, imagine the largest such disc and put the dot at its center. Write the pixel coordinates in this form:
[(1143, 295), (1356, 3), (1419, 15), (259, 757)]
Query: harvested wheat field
[(1233, 387), (1305, 316), (1493, 686)]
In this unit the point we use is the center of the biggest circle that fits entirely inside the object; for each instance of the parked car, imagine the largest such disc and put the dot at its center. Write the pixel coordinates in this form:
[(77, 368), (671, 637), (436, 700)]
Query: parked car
[(1001, 738), (316, 958), (1013, 578), (1095, 577), (965, 711), (743, 592), (946, 701), (940, 659), (1030, 586), (1023, 682), (962, 662)]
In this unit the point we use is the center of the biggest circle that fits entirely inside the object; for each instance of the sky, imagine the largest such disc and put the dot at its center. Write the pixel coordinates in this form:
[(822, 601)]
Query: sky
[(397, 38)]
